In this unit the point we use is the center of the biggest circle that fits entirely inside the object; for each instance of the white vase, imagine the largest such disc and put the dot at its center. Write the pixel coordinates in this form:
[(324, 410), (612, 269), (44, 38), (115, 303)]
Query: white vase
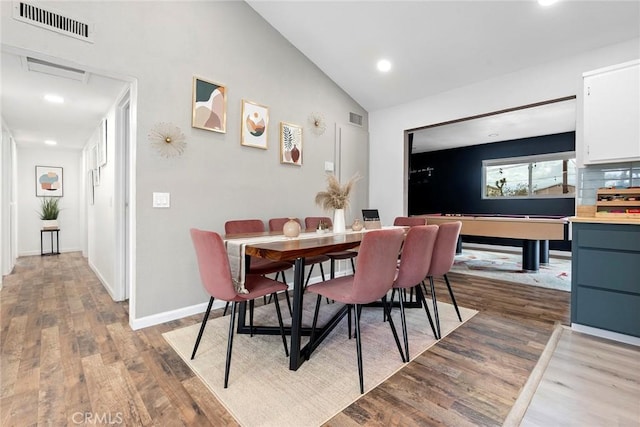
[(338, 221)]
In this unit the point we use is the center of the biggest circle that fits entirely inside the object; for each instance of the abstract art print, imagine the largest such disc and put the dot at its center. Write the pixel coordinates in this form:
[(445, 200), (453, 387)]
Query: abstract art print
[(255, 121), (49, 181), (290, 144), (209, 109)]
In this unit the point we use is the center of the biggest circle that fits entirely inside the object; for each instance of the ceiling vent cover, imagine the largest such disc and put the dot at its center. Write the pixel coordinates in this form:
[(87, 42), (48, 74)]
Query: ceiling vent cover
[(52, 21), (355, 119)]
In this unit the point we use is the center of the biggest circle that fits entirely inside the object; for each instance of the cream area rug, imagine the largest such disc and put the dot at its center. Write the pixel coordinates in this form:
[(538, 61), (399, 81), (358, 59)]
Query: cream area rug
[(264, 392)]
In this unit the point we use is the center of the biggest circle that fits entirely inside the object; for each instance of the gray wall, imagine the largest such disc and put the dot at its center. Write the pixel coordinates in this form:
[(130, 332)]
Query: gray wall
[(162, 45)]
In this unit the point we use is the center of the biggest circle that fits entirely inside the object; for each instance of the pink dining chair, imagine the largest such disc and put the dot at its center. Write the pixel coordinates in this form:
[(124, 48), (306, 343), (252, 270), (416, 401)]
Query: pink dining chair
[(259, 265), (409, 221), (215, 274), (311, 224), (377, 261), (414, 265), (444, 253), (276, 224)]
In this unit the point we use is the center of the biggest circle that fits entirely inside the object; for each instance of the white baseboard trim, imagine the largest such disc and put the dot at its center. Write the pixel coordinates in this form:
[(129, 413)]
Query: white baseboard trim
[(104, 282), (512, 249), (602, 333), (167, 316), (32, 253)]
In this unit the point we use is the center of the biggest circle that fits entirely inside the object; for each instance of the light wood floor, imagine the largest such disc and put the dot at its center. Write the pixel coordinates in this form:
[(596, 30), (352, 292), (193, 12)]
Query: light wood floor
[(68, 355), (587, 381)]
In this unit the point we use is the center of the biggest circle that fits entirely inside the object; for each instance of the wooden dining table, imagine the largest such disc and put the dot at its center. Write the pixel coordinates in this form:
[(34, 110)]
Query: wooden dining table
[(296, 250)]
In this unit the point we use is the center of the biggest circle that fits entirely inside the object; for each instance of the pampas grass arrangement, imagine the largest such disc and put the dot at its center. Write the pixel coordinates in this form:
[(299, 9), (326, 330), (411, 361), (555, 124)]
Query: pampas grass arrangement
[(336, 196)]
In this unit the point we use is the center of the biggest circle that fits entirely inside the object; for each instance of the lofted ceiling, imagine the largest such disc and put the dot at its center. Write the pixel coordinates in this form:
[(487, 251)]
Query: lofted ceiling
[(434, 46)]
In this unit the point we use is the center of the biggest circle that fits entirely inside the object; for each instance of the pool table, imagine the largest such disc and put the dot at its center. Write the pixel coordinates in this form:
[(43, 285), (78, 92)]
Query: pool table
[(534, 230)]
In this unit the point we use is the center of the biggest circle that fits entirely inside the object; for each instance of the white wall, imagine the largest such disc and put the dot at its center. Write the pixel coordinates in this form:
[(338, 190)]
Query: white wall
[(29, 223), (8, 167), (101, 214), (216, 179), (547, 81)]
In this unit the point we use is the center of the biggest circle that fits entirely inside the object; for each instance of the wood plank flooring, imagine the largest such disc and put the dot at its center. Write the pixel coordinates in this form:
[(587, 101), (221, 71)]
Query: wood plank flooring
[(70, 358)]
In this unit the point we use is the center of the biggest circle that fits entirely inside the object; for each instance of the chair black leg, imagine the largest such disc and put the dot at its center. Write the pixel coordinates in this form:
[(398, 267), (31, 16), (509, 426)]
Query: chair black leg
[(204, 323), (359, 348), (403, 319), (226, 306), (423, 300), (349, 319), (313, 325), (251, 304), (435, 307), (227, 365), (284, 339), (393, 330), (308, 277), (453, 299), (353, 266), (286, 294)]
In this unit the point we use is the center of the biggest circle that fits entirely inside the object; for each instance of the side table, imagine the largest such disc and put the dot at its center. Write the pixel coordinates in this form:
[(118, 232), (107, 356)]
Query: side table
[(51, 231)]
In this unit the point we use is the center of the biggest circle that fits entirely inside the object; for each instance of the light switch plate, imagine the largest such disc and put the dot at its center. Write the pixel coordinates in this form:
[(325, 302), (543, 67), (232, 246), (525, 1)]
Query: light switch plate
[(328, 166), (161, 200)]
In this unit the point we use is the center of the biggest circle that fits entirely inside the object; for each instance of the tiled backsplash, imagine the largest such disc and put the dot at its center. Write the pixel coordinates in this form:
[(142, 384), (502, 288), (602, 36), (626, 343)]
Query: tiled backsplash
[(592, 177)]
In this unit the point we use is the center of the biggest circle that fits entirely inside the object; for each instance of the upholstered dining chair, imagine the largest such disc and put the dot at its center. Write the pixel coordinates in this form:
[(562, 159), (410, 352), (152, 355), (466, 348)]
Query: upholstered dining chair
[(409, 221), (444, 253), (259, 265), (413, 268), (377, 261), (276, 224), (311, 224), (215, 274)]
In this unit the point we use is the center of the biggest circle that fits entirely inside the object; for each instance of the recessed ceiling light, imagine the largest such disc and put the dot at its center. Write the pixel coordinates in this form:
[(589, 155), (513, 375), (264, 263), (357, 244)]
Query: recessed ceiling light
[(54, 99), (493, 135), (546, 2), (384, 65), (50, 142)]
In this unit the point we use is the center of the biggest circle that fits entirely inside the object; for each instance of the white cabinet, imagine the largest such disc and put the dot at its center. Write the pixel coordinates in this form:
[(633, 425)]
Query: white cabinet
[(612, 114)]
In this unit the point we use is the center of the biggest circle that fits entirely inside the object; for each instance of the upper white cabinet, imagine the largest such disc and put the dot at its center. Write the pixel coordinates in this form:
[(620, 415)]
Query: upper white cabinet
[(612, 114)]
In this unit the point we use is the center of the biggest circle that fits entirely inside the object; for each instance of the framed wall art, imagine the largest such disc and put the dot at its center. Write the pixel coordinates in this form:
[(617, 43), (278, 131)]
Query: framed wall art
[(209, 107), (102, 144), (49, 182), (255, 123), (290, 144)]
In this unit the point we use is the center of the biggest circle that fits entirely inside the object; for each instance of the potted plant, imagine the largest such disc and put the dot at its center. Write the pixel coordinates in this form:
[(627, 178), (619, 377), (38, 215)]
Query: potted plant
[(336, 198), (49, 211)]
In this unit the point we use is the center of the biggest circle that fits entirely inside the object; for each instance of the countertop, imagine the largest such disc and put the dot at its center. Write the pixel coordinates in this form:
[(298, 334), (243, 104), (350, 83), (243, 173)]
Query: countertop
[(605, 220)]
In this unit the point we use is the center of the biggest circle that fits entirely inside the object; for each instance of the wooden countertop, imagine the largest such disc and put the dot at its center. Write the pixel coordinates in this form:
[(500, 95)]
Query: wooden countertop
[(605, 220)]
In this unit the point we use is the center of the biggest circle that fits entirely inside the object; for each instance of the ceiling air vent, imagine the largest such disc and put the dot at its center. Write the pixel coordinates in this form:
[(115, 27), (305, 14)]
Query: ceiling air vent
[(355, 119), (53, 69), (49, 20)]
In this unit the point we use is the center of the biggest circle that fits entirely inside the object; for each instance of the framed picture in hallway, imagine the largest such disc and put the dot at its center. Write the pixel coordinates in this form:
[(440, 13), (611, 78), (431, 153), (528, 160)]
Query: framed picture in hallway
[(209, 107), (49, 181)]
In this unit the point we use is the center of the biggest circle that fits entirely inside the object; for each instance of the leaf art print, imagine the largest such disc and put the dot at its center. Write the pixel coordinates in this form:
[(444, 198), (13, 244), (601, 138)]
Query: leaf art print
[(290, 144)]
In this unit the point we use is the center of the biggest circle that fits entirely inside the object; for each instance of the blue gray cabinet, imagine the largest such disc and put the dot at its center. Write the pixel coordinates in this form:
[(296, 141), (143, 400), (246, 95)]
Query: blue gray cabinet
[(605, 277)]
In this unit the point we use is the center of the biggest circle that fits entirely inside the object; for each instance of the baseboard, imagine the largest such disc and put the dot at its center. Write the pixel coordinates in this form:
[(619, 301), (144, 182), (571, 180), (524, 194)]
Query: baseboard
[(33, 253), (167, 316), (602, 333), (512, 249)]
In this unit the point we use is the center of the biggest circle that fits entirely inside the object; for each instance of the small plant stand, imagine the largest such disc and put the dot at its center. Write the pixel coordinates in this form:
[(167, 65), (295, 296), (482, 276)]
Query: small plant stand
[(51, 231)]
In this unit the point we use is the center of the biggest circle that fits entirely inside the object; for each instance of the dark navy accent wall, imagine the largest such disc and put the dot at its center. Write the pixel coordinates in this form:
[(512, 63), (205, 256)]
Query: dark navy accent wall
[(450, 181)]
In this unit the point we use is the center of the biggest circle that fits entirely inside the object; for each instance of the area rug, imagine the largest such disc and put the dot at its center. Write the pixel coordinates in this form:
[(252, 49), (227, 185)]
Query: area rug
[(508, 266), (264, 392)]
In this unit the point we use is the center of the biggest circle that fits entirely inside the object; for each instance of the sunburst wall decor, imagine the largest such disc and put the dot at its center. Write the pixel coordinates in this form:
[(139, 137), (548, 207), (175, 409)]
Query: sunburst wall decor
[(317, 123), (168, 139)]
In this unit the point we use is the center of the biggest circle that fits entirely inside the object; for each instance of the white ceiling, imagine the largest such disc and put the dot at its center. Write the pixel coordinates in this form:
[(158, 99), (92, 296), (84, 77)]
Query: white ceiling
[(32, 120), (434, 46)]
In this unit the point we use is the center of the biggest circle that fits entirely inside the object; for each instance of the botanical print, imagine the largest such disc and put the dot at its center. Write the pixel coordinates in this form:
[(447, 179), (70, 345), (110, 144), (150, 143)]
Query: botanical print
[(209, 109), (290, 144)]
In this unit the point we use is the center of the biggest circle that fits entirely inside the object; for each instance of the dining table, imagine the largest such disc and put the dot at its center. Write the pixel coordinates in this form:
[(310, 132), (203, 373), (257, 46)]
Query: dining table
[(277, 247)]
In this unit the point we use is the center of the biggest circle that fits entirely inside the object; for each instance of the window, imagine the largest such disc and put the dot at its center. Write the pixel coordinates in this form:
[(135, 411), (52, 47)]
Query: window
[(540, 176)]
